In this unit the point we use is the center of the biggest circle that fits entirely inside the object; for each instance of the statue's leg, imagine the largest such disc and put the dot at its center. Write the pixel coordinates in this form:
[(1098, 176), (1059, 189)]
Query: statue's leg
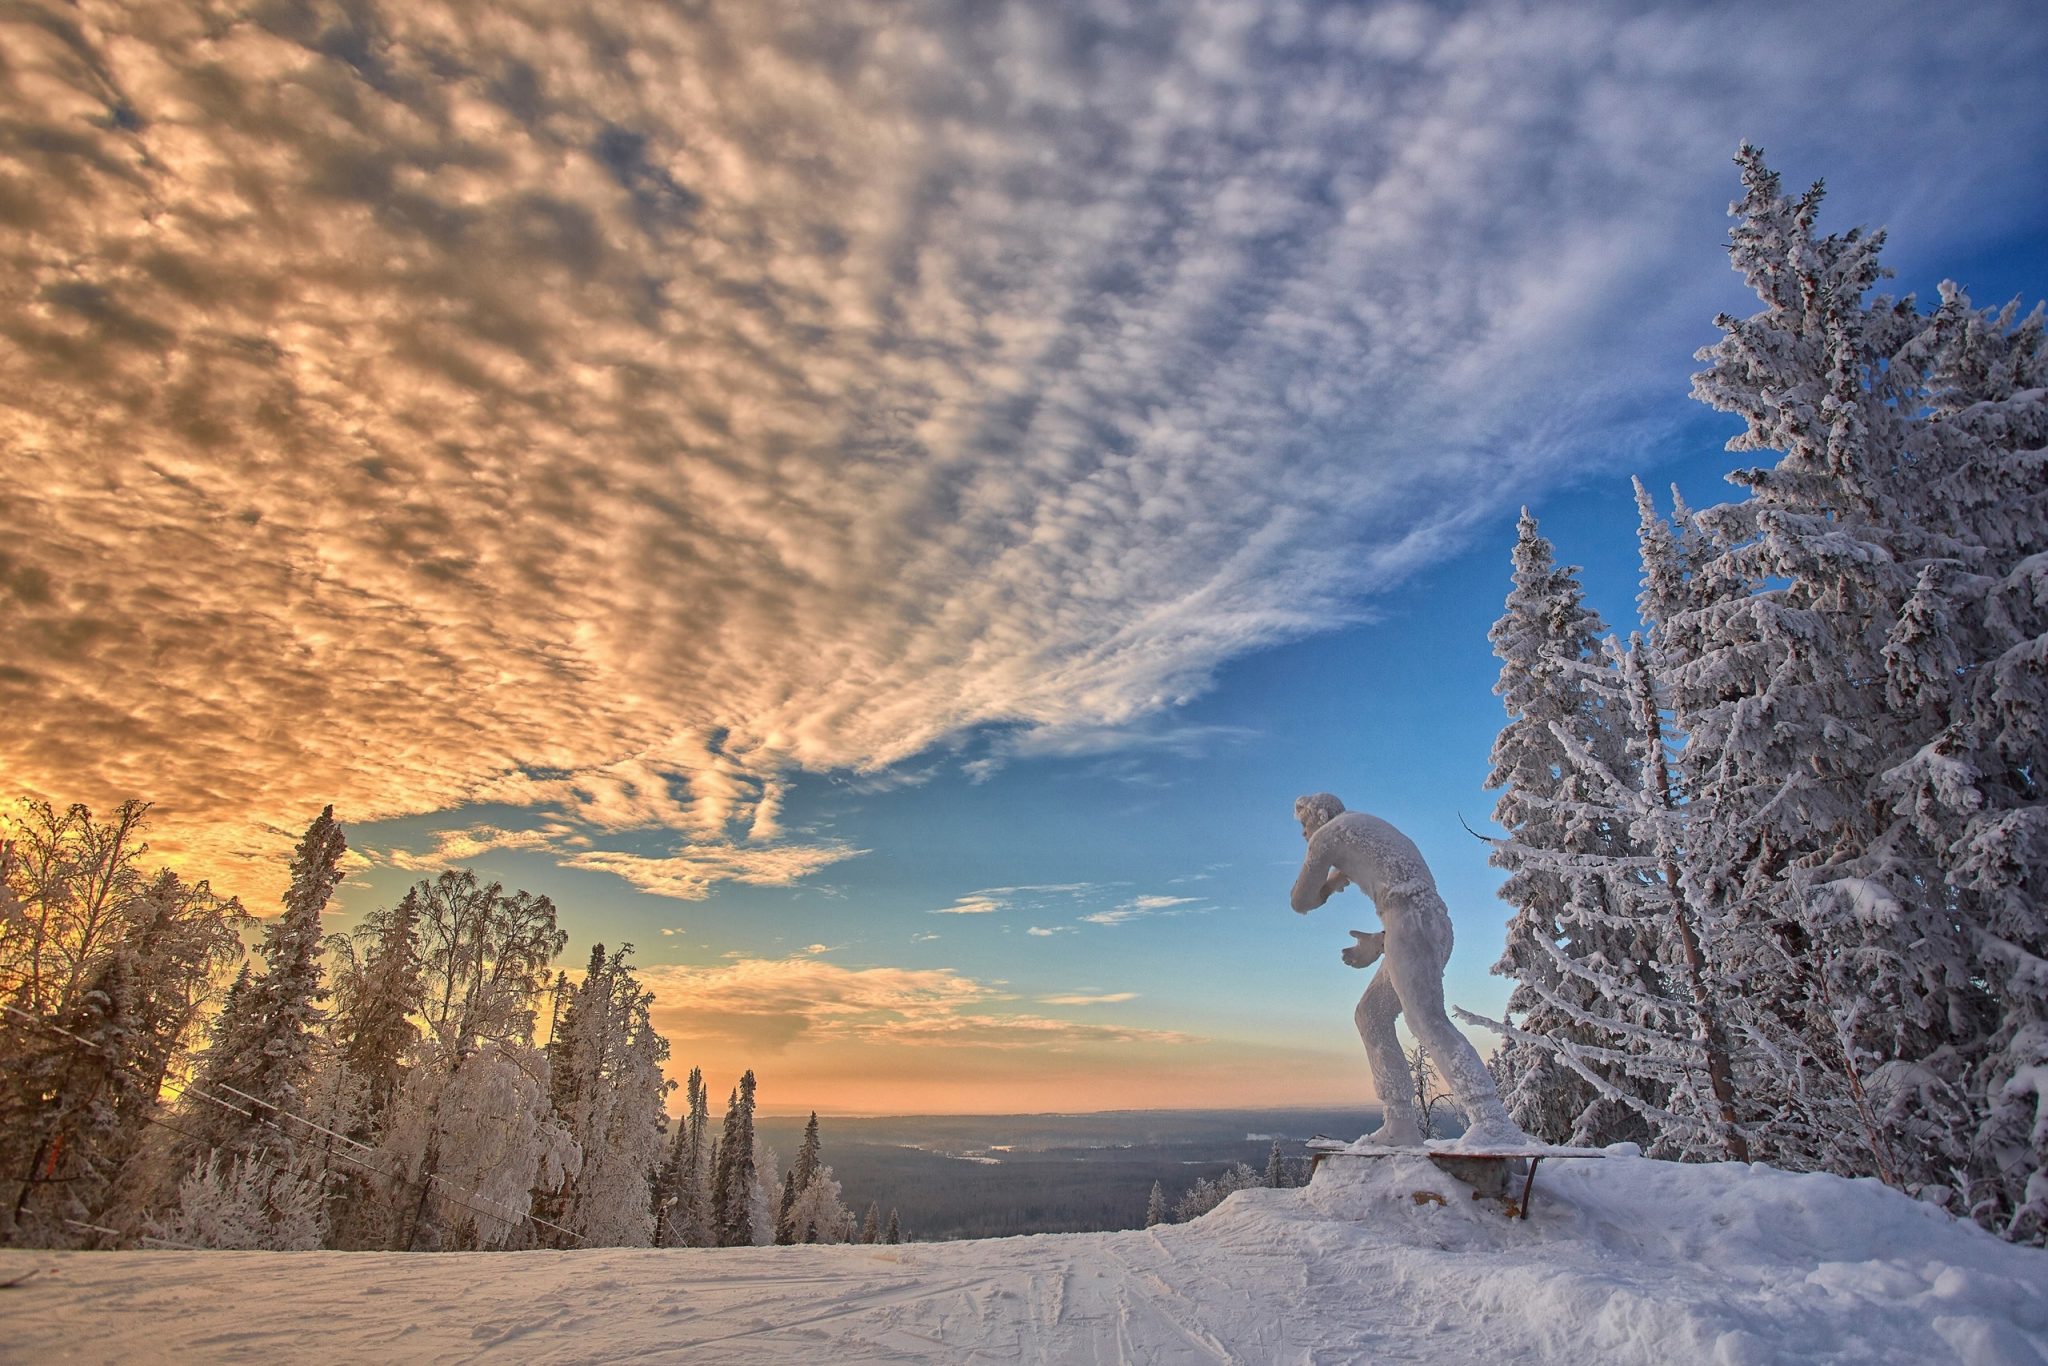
[(1420, 982), (1377, 1010)]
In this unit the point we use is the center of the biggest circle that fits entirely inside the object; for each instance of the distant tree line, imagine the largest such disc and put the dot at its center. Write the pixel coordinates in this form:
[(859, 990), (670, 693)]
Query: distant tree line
[(387, 1088), (1779, 861)]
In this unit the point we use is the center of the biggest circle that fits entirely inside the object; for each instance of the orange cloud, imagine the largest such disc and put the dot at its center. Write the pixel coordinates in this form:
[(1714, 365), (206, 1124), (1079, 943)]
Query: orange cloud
[(459, 414), (775, 1002), (693, 870)]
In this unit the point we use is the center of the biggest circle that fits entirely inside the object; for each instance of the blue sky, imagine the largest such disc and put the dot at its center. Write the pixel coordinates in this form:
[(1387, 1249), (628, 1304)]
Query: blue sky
[(776, 478)]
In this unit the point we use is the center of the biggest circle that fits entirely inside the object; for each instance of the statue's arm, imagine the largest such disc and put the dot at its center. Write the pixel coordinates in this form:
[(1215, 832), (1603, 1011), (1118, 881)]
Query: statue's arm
[(1312, 888)]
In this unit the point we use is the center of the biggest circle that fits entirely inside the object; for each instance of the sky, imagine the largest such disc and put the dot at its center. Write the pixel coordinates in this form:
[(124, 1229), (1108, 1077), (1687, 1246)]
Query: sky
[(882, 506)]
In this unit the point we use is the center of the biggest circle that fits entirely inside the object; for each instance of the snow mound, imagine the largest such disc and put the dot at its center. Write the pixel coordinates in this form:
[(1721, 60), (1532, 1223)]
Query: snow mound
[(1621, 1260)]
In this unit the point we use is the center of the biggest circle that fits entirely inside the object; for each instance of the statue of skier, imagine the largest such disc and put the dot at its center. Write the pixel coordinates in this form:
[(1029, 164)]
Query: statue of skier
[(1352, 847)]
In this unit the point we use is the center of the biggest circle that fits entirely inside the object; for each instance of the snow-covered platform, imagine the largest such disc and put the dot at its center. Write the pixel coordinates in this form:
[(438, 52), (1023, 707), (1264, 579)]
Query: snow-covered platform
[(1488, 1170)]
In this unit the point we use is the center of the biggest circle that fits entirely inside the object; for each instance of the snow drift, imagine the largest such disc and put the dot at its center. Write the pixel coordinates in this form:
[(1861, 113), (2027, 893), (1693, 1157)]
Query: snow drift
[(1622, 1260)]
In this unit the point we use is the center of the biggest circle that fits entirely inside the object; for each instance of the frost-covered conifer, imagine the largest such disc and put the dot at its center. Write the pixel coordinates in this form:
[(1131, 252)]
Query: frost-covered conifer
[(265, 1058), (736, 1178), (1780, 689), (871, 1226), (1155, 1207), (686, 1175), (800, 1174), (377, 993), (1568, 782), (1971, 652), (895, 1233)]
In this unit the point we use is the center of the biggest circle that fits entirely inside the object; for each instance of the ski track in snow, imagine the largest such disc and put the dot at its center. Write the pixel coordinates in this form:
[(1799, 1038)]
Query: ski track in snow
[(1624, 1260)]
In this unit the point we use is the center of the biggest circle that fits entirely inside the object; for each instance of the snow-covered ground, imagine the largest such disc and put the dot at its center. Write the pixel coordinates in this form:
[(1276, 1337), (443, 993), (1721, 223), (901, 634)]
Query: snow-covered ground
[(1623, 1260)]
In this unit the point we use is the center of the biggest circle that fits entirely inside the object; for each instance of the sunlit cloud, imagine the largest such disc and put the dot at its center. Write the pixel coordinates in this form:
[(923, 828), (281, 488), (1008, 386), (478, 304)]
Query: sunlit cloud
[(773, 1003), (455, 847), (693, 870), (1106, 999), (1138, 908), (1047, 932), (612, 410), (1031, 896), (971, 905)]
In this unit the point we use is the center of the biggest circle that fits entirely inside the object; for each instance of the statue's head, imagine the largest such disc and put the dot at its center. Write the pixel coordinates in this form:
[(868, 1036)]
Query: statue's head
[(1315, 810)]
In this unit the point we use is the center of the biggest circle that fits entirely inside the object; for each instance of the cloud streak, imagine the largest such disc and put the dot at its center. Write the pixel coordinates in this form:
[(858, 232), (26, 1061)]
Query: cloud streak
[(610, 410), (774, 1003)]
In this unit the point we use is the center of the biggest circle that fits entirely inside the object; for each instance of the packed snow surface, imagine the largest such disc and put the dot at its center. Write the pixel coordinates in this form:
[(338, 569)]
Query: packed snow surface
[(1622, 1260)]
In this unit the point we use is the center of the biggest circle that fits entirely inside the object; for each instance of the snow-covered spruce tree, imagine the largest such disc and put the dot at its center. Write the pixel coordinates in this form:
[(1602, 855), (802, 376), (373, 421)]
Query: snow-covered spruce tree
[(871, 1223), (608, 1091), (250, 1087), (683, 1194), (736, 1177), (1155, 1207), (1579, 946), (1276, 1165), (378, 990), (1971, 649), (799, 1176), (1840, 932), (895, 1233), (1653, 1039)]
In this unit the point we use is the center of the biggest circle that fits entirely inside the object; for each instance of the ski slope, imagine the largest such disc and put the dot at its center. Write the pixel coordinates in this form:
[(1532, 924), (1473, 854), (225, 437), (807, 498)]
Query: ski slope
[(1622, 1260)]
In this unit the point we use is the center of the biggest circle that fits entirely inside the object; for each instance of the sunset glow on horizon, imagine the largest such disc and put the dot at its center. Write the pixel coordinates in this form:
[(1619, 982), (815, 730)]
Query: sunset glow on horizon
[(882, 506)]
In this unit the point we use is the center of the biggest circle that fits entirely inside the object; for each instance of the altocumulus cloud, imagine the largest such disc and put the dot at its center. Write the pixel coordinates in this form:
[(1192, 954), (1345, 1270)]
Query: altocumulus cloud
[(612, 409), (776, 1002)]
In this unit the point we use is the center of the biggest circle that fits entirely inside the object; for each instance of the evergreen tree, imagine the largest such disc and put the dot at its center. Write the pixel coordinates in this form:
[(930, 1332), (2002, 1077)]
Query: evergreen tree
[(801, 1173), (255, 1080), (895, 1233), (1155, 1209), (378, 991), (1568, 780), (1276, 1167), (1966, 653), (1781, 697), (694, 1190), (871, 1226), (734, 1182)]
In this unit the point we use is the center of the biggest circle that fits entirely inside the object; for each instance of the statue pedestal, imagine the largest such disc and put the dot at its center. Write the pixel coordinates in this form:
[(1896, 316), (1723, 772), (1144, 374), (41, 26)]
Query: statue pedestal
[(1490, 1174)]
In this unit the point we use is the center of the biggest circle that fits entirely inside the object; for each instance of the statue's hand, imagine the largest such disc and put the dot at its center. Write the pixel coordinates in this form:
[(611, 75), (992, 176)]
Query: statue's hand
[(1366, 951)]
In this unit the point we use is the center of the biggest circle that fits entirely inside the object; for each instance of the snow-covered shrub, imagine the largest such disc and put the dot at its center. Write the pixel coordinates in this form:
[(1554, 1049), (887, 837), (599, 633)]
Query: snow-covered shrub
[(1211, 1191), (245, 1203)]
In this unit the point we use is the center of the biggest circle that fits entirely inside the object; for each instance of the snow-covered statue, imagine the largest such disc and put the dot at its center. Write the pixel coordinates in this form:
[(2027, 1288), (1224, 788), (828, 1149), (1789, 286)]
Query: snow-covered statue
[(1347, 847)]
